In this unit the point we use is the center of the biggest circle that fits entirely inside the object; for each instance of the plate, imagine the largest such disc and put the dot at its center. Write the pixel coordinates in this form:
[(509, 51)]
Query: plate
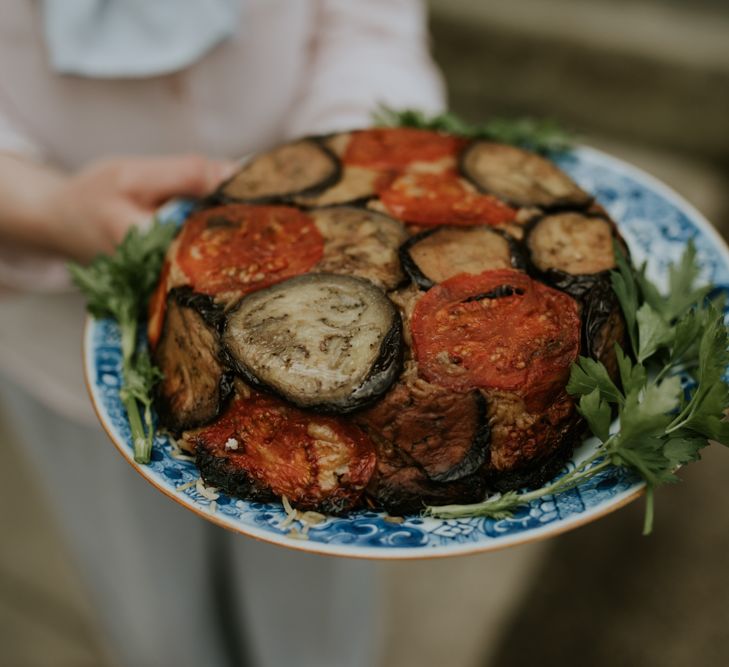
[(655, 221)]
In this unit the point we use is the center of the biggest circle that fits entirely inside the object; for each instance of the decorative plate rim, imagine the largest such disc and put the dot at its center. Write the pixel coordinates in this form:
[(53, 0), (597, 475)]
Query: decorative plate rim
[(546, 531)]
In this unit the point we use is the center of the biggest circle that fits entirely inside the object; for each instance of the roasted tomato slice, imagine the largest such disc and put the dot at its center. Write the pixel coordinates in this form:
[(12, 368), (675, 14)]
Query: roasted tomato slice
[(157, 306), (497, 330), (391, 148), (261, 447), (442, 199), (242, 248)]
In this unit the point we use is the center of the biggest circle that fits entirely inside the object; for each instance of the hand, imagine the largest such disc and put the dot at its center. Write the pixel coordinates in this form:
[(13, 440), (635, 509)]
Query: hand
[(90, 211), (81, 215)]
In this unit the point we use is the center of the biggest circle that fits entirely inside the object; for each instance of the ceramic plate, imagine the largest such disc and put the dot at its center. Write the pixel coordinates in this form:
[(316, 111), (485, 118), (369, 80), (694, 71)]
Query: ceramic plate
[(656, 223)]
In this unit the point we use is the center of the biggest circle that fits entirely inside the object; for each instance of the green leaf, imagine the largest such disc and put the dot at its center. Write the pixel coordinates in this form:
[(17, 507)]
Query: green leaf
[(713, 349), (649, 291), (543, 136), (597, 414), (653, 332), (632, 376), (680, 450), (646, 412), (626, 290), (589, 374), (682, 292), (687, 336), (119, 285), (141, 379), (704, 412), (645, 455)]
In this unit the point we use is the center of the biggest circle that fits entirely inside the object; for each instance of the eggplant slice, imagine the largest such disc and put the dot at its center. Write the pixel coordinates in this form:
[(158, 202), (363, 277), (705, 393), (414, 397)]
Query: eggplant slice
[(527, 449), (438, 254), (196, 384), (603, 325), (262, 448), (325, 342), (356, 185), (400, 486), (305, 167), (571, 242), (520, 177), (431, 444), (574, 253), (360, 242), (445, 433), (571, 251)]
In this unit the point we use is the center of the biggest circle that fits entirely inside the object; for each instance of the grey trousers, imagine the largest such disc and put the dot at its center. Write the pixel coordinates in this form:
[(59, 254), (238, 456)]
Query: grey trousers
[(170, 588)]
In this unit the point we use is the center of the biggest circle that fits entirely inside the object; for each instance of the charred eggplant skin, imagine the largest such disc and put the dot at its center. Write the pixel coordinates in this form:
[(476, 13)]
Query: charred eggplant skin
[(400, 486), (575, 201), (203, 304), (518, 260), (479, 451), (389, 362), (384, 371), (219, 196), (577, 286), (603, 325), (216, 471), (211, 314), (594, 293)]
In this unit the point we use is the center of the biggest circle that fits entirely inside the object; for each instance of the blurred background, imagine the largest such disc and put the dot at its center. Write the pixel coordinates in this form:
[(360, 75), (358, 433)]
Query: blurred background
[(649, 82)]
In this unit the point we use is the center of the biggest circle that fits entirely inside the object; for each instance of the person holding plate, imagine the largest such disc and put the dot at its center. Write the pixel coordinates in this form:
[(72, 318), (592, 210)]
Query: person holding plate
[(107, 110)]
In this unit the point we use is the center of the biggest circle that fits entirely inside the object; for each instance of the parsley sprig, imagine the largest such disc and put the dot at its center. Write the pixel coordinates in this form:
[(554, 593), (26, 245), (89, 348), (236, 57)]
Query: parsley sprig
[(670, 399), (540, 135), (118, 286)]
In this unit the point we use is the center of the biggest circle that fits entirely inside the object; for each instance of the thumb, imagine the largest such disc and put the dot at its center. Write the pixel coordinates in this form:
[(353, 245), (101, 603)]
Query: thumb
[(158, 179)]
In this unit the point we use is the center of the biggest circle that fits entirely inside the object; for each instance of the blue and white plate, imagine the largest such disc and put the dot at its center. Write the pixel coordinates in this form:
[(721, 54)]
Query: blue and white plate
[(656, 223)]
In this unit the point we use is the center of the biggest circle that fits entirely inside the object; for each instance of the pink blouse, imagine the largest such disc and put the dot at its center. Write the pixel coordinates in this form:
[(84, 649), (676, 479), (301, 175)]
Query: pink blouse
[(293, 68)]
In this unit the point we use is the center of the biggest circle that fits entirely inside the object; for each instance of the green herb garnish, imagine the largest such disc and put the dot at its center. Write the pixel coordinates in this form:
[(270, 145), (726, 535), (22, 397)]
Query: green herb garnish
[(118, 286), (662, 425), (540, 135)]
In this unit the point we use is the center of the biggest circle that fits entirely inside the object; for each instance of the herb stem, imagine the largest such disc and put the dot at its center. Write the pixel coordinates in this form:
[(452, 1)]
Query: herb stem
[(500, 505), (128, 342), (648, 517), (139, 438), (570, 480)]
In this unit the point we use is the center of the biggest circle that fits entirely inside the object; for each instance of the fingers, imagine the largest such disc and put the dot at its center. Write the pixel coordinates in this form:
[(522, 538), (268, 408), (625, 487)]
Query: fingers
[(125, 215), (151, 181)]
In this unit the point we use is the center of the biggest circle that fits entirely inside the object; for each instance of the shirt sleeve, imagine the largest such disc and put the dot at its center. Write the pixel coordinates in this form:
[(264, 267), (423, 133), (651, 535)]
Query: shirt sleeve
[(16, 141), (364, 54), (21, 269)]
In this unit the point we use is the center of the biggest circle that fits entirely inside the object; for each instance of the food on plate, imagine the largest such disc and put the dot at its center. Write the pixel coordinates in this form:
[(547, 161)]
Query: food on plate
[(430, 441), (360, 242), (383, 318), (230, 250), (437, 254), (196, 383), (572, 251), (330, 343), (429, 199), (301, 168), (497, 330), (520, 177), (262, 448)]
